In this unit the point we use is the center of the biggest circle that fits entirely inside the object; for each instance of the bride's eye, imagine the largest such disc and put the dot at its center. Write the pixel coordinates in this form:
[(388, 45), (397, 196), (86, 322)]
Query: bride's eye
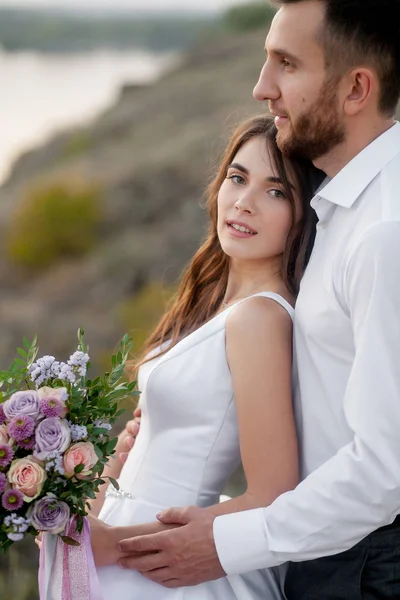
[(238, 179), (277, 193)]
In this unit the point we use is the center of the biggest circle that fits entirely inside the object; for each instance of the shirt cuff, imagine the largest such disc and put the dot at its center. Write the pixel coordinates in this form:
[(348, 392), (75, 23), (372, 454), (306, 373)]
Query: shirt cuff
[(241, 542)]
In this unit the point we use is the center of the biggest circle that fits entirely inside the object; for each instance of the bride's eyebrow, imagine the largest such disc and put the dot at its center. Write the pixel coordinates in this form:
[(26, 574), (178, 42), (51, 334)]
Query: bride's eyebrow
[(279, 181), (239, 167)]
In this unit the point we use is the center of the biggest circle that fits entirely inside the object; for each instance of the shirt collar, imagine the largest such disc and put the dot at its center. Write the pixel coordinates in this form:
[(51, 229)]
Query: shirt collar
[(351, 181)]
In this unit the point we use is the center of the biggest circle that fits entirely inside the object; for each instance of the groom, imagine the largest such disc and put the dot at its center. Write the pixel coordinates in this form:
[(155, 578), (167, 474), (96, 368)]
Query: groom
[(332, 78)]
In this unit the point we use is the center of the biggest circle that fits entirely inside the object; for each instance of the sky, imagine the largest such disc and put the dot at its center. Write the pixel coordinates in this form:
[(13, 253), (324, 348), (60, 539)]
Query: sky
[(129, 4)]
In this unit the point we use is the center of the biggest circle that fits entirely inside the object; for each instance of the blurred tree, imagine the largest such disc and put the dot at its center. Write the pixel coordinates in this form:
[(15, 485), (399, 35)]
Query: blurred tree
[(141, 313), (53, 222), (248, 16)]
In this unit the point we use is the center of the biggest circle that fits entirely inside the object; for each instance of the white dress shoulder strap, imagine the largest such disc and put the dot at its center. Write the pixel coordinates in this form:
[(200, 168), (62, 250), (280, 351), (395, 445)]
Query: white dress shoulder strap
[(273, 296)]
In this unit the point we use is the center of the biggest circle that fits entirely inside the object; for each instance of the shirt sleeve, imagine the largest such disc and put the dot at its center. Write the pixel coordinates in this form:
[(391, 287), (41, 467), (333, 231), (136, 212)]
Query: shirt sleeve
[(358, 489)]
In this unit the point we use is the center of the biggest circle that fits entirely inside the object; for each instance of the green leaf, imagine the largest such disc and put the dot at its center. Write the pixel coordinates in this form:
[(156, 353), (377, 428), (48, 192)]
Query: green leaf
[(99, 453), (114, 482), (69, 540), (79, 468), (111, 445)]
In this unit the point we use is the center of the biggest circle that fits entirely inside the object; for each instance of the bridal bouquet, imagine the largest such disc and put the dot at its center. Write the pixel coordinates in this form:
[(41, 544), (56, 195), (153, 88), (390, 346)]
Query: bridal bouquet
[(54, 443)]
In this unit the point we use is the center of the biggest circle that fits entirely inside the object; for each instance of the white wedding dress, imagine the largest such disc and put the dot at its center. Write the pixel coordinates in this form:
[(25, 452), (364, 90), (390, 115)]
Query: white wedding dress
[(185, 452)]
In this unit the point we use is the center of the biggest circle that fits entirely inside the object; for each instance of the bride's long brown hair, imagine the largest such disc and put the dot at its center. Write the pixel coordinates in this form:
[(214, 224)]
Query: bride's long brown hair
[(204, 281)]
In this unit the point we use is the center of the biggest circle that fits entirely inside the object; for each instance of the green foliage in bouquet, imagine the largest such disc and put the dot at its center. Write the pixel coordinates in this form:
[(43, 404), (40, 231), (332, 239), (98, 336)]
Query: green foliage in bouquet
[(60, 407)]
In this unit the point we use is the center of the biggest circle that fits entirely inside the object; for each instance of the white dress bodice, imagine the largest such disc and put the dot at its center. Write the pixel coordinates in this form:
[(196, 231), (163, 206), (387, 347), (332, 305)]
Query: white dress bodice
[(186, 451)]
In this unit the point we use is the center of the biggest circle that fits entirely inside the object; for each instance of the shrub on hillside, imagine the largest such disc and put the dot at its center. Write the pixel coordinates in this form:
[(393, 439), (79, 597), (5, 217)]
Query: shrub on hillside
[(249, 16), (54, 222), (141, 313)]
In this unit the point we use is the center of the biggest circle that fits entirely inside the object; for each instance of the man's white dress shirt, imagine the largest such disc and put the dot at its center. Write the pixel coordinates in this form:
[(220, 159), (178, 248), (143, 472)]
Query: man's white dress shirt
[(347, 346)]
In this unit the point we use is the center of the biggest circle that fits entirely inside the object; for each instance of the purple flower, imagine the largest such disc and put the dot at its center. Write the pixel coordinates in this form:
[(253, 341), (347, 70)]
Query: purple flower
[(12, 499), (53, 407), (27, 443), (3, 482), (6, 455), (2, 415), (22, 404), (21, 427), (50, 514), (52, 435)]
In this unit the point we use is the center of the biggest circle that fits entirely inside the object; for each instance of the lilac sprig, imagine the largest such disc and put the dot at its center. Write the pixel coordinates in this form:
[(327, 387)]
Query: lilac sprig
[(44, 369), (78, 432), (16, 526), (78, 361), (48, 368), (55, 462), (2, 415)]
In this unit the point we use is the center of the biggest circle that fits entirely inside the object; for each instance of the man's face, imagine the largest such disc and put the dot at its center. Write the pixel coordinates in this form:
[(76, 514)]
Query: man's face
[(295, 83)]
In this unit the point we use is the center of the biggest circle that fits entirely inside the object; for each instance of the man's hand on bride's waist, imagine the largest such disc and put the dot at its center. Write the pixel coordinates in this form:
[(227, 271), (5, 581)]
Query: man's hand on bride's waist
[(184, 556)]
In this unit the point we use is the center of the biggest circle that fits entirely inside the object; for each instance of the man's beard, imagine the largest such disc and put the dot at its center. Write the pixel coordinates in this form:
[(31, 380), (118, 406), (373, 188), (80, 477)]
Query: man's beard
[(316, 132)]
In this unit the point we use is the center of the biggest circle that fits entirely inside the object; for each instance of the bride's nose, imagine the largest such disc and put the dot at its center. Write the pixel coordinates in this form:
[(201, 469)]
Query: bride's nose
[(243, 204)]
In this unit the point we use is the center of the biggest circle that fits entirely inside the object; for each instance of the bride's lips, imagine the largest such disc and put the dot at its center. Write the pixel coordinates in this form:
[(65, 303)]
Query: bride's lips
[(240, 234)]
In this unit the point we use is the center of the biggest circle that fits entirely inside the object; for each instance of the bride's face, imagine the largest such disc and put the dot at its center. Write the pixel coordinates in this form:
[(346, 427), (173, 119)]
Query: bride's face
[(254, 212)]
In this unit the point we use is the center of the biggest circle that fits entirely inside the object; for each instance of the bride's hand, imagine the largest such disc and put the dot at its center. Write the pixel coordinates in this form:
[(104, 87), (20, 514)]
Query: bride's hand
[(104, 544), (132, 430), (38, 540)]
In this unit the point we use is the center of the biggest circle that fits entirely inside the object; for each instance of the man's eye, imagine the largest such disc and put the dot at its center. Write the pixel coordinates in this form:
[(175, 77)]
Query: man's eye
[(286, 63)]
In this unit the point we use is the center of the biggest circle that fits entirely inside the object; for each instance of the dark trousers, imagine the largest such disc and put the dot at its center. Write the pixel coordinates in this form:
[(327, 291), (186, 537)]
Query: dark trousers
[(369, 571)]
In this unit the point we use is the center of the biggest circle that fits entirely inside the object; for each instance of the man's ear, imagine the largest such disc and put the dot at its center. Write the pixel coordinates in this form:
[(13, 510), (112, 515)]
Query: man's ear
[(360, 86)]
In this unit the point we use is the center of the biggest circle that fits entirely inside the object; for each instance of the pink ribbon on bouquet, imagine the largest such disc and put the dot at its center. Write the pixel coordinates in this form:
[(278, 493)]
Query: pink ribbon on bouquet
[(68, 572)]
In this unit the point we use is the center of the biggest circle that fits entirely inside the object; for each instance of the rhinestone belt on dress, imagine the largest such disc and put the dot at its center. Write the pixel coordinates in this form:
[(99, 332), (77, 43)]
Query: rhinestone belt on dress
[(112, 492)]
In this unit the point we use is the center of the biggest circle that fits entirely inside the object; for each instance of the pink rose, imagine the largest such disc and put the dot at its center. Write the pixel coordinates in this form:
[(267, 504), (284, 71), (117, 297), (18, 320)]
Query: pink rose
[(81, 453), (27, 476), (3, 434)]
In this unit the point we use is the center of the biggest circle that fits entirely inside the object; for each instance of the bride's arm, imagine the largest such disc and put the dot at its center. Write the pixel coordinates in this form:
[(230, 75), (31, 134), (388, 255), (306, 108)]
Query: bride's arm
[(259, 352)]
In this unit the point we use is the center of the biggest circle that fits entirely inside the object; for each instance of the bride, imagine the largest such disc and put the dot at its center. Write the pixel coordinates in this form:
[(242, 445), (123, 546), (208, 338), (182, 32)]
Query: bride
[(215, 379)]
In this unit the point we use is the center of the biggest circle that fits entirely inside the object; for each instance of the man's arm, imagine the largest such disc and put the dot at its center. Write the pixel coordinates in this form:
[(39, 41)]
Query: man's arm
[(356, 491)]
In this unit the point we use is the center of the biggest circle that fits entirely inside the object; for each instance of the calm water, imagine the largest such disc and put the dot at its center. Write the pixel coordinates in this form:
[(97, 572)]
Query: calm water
[(41, 94)]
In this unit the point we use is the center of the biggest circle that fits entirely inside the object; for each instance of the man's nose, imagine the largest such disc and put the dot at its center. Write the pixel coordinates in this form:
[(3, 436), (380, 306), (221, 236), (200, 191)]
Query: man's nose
[(265, 89)]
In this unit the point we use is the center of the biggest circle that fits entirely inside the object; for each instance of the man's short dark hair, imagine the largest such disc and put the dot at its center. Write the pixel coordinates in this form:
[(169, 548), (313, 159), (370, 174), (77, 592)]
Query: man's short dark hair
[(363, 32)]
